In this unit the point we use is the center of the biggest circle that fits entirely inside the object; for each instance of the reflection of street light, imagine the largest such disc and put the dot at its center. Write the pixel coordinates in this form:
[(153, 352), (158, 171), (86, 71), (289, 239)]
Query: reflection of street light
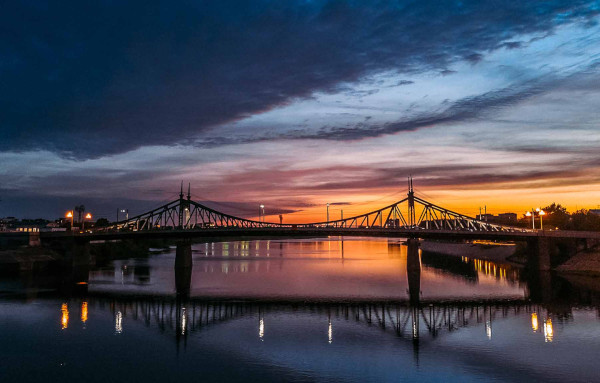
[(548, 331), (64, 321), (534, 322), (261, 328)]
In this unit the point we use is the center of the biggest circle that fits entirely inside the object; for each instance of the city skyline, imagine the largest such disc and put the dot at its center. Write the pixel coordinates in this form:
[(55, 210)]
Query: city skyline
[(300, 104)]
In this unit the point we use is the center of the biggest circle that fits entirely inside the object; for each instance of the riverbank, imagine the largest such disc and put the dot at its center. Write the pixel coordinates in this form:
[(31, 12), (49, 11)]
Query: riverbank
[(26, 258), (585, 263), (490, 251)]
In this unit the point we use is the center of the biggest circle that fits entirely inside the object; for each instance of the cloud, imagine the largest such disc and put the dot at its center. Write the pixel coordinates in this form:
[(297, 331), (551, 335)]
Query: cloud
[(107, 77)]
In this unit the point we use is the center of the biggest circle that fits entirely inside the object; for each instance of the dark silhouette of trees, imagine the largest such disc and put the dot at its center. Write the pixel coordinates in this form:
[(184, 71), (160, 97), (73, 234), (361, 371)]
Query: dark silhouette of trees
[(557, 217), (102, 222)]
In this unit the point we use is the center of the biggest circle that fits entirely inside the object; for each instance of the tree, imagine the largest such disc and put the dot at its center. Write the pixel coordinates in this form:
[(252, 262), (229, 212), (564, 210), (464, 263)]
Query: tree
[(102, 222), (584, 220), (556, 216)]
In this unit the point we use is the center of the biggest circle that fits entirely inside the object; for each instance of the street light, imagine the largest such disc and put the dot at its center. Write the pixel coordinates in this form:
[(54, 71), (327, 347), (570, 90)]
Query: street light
[(87, 216), (261, 212), (70, 215), (541, 213), (530, 214), (126, 211), (327, 212)]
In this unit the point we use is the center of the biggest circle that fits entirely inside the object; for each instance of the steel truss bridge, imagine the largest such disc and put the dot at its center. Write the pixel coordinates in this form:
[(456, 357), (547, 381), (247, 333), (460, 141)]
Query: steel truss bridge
[(410, 213)]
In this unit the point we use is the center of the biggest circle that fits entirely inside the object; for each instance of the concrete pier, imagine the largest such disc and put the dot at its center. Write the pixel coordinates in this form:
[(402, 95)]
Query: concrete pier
[(183, 268), (413, 271)]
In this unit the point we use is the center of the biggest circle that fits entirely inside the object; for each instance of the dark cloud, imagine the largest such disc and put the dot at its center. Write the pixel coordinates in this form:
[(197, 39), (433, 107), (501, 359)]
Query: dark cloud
[(32, 205), (465, 109), (474, 58), (95, 78), (447, 72), (512, 44)]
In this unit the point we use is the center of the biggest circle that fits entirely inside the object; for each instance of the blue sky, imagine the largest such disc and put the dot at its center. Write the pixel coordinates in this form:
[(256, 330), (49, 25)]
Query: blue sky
[(295, 104)]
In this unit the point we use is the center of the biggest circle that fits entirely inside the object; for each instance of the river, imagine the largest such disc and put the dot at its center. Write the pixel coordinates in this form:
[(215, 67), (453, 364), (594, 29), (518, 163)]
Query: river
[(328, 310)]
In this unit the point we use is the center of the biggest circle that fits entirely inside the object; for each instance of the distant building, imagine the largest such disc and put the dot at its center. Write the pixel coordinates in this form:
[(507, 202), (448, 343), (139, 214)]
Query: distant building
[(28, 229), (508, 217), (486, 217), (7, 223), (595, 211)]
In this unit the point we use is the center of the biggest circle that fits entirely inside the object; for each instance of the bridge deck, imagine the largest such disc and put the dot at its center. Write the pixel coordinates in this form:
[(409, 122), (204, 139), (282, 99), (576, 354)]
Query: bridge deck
[(324, 231)]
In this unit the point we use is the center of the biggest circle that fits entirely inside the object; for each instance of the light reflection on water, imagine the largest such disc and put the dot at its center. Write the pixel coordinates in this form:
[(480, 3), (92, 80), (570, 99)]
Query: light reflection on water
[(169, 339), (333, 268), (328, 310)]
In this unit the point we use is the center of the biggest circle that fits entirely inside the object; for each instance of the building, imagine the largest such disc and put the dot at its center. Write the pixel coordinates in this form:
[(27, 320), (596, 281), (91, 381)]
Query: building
[(508, 217)]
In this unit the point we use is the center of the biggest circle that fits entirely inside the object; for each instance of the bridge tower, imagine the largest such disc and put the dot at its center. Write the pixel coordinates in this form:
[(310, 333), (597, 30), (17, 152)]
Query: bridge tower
[(184, 207), (411, 203)]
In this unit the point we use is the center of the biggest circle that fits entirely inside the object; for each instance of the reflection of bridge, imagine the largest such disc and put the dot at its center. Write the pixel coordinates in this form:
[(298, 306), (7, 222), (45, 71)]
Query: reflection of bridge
[(182, 317), (412, 318)]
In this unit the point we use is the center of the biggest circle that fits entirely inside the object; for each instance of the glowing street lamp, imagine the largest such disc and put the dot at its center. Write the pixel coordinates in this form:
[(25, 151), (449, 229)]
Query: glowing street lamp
[(327, 212), (541, 213), (261, 213), (87, 216), (530, 214), (70, 215)]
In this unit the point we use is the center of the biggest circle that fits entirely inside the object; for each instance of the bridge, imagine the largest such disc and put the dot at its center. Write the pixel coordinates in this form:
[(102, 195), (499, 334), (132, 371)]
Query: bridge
[(410, 213), (411, 217)]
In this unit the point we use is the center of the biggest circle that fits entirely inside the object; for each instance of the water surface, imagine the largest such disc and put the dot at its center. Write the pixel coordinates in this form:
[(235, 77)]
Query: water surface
[(331, 310)]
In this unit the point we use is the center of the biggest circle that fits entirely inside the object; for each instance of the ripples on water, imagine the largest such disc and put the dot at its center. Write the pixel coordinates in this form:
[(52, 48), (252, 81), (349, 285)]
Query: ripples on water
[(300, 310)]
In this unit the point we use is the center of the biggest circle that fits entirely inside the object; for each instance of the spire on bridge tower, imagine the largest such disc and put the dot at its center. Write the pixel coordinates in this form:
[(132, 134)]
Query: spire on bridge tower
[(189, 195), (411, 202), (181, 191)]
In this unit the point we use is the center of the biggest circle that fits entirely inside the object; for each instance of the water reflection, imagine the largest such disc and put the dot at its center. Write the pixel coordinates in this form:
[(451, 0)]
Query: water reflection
[(434, 334), (118, 322), (548, 331), (402, 320), (84, 312), (64, 321), (318, 269), (534, 322), (414, 314)]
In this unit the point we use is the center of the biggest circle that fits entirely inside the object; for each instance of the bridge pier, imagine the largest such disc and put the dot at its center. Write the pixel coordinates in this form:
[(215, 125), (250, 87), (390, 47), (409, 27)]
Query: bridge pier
[(76, 267), (413, 271), (541, 254), (183, 268), (546, 252)]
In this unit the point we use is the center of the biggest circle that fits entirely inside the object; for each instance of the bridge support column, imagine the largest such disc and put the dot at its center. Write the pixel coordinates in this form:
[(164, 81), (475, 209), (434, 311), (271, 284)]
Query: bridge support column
[(183, 268), (413, 271), (76, 267), (540, 251)]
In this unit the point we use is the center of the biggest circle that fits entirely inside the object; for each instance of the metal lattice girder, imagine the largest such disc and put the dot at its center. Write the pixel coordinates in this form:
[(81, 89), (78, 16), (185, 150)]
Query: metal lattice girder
[(187, 214)]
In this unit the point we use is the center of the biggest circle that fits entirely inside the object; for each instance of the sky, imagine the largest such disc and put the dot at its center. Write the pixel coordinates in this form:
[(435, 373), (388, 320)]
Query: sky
[(296, 104)]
